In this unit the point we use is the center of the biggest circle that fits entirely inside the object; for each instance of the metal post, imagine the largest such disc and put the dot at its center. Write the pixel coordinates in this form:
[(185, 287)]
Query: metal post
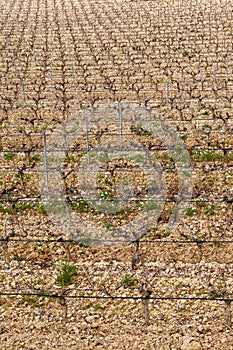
[(167, 92), (135, 259), (87, 140), (215, 81), (73, 73), (121, 123), (93, 66), (45, 160), (51, 81), (34, 53), (63, 303), (145, 294), (184, 90), (201, 83), (228, 312), (226, 70), (22, 87)]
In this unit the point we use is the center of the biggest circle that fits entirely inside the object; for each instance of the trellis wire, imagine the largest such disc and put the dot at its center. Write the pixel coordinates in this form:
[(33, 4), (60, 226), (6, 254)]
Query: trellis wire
[(145, 297), (145, 293)]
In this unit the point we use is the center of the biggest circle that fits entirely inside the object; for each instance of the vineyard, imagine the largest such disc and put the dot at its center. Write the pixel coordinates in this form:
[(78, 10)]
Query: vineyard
[(85, 270)]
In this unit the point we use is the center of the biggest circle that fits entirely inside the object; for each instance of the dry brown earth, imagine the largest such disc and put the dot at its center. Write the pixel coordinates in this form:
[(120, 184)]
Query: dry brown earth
[(58, 57)]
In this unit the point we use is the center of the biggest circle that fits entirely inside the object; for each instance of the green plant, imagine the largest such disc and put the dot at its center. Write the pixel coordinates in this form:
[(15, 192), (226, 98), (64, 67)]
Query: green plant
[(32, 301), (208, 156), (35, 158), (109, 226), (103, 157), (182, 137), (96, 307), (151, 205), (224, 180), (84, 242), (2, 277), (186, 53), (206, 126), (128, 282), (213, 295), (81, 206), (9, 156), (106, 194), (40, 208), (107, 181), (138, 130), (191, 211), (5, 210), (210, 209), (17, 256), (22, 206), (217, 243), (201, 204), (43, 293), (166, 156), (138, 158), (210, 180), (230, 156), (38, 247), (200, 239), (68, 272)]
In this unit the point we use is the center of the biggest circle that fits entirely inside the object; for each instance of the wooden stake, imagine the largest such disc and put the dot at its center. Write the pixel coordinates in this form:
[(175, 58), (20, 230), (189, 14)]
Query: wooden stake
[(145, 293), (64, 308), (228, 312), (135, 259), (6, 252)]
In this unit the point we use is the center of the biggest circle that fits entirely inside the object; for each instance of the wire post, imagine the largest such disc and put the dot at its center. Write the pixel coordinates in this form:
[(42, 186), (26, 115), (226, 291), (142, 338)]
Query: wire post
[(5, 248), (135, 259), (184, 90), (34, 53), (22, 87), (73, 73), (154, 45), (201, 83), (215, 80), (127, 56), (113, 67), (87, 140), (144, 105), (121, 121), (226, 71), (228, 312), (199, 245), (63, 303), (167, 92), (13, 57), (51, 81), (93, 67), (45, 160), (145, 294), (66, 248), (69, 45)]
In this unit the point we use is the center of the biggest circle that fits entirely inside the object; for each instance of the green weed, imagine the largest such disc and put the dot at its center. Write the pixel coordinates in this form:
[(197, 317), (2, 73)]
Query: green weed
[(128, 282), (68, 272), (191, 211), (95, 307), (9, 156), (32, 301)]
